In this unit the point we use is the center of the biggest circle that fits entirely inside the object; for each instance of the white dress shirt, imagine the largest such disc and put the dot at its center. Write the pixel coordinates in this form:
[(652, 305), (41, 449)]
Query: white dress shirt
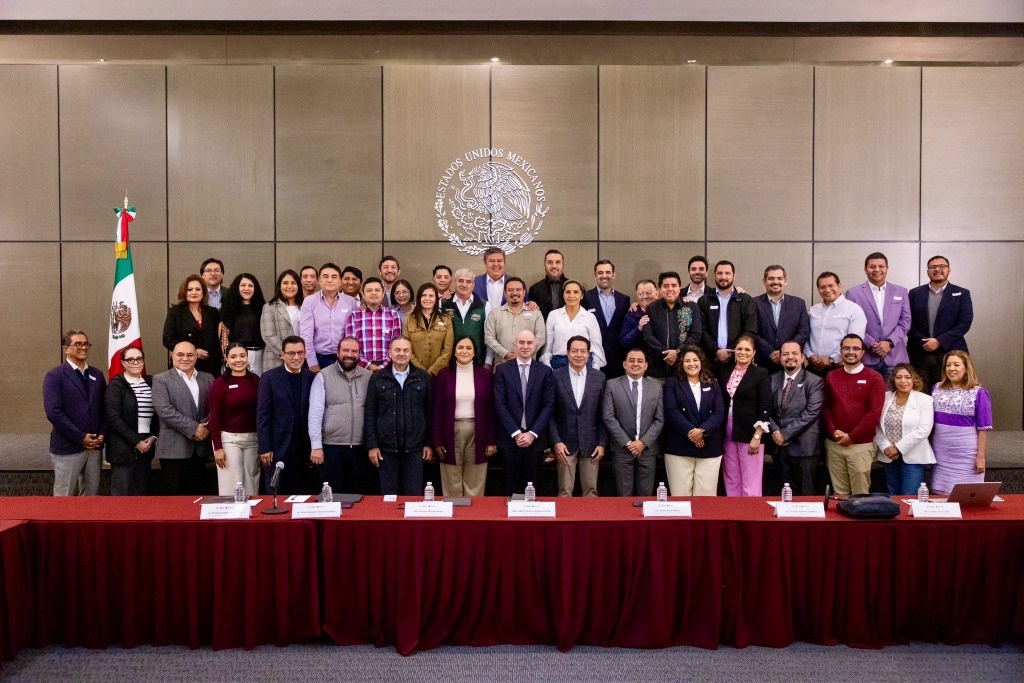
[(829, 324), (193, 384), (578, 380), (560, 329)]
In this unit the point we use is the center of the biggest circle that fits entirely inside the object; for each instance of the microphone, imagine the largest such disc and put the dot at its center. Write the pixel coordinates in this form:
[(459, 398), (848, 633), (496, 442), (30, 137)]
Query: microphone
[(277, 474)]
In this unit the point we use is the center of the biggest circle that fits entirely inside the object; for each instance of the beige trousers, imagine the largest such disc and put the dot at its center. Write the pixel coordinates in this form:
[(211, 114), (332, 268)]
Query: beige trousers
[(692, 476), (465, 477)]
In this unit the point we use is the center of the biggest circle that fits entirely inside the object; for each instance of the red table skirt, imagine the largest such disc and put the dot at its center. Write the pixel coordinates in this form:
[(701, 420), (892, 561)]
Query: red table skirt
[(15, 589)]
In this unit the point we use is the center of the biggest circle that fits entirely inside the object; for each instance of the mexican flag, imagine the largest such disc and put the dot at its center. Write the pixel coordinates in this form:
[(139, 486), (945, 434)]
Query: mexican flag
[(124, 306)]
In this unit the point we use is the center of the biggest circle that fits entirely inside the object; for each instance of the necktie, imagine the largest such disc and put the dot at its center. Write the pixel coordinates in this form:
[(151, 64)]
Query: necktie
[(787, 393), (523, 377), (634, 394)]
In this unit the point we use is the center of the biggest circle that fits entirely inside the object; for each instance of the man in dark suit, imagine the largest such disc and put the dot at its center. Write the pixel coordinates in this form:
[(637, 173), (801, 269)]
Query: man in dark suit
[(940, 317), (610, 308), (547, 292), (282, 416), (797, 396), (524, 398), (720, 333), (781, 317), (578, 435), (73, 400), (633, 430), (180, 398)]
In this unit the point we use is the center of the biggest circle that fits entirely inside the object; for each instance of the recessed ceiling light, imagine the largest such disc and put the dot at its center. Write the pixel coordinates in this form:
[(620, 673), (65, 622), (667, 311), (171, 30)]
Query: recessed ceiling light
[(888, 61), (495, 59)]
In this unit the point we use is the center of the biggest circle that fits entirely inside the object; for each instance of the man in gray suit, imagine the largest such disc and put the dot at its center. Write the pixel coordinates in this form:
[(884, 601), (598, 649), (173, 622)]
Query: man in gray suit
[(633, 431), (797, 396), (180, 399), (578, 436)]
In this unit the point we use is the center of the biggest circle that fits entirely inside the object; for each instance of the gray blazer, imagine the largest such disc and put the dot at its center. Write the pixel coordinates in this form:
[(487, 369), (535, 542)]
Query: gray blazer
[(619, 413), (179, 416), (580, 429), (799, 424)]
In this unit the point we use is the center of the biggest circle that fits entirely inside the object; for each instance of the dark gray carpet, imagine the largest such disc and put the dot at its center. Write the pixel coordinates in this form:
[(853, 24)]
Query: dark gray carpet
[(800, 662)]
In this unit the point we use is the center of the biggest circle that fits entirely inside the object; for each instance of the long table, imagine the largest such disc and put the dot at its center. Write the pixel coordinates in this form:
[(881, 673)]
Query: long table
[(146, 570)]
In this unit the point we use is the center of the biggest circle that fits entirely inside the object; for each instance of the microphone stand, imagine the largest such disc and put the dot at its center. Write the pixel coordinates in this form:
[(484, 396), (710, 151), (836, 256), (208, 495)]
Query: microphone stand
[(275, 510)]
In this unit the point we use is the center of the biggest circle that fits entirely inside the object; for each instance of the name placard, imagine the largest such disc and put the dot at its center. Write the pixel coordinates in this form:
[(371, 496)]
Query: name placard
[(679, 508), (435, 508), (316, 510), (224, 511), (522, 508), (935, 510), (800, 510)]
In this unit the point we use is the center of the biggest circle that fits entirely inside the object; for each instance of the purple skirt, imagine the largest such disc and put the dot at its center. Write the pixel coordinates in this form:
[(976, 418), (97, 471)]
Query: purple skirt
[(956, 449)]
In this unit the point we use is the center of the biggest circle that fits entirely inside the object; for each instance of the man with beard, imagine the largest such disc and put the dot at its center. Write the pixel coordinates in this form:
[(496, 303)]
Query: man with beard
[(697, 269), (388, 270), (547, 292), (282, 413), (336, 404), (780, 318), (610, 308), (797, 396), (726, 313), (674, 325), (502, 326)]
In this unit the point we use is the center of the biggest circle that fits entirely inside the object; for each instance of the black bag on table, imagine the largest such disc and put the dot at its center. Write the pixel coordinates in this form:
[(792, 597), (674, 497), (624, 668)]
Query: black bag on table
[(869, 506)]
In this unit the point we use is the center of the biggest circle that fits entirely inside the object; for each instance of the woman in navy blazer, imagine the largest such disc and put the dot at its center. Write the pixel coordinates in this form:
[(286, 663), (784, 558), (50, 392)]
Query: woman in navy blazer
[(692, 440), (464, 444)]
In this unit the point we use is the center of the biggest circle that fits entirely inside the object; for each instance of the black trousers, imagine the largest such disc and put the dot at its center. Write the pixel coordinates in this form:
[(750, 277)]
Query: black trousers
[(798, 472), (522, 465), (184, 477), (401, 473)]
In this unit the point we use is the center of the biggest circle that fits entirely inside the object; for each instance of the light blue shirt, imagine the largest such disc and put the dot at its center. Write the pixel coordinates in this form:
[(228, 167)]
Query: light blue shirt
[(607, 305), (723, 318), (776, 308), (400, 376), (213, 297)]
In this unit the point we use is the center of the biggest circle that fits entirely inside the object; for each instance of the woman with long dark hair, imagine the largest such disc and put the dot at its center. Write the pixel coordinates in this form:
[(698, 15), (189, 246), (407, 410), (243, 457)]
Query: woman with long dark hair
[(280, 317), (240, 313), (233, 423), (429, 331), (694, 413)]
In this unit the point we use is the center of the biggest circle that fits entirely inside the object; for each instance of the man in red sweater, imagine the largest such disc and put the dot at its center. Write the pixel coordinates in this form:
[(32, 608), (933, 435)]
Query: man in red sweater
[(854, 395)]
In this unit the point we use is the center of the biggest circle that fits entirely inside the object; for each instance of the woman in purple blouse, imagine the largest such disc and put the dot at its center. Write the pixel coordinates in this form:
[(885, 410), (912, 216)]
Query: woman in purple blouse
[(963, 415)]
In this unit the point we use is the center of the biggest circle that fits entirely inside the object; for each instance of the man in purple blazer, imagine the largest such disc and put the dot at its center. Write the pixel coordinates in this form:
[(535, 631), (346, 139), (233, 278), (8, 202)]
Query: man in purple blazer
[(73, 400), (887, 309)]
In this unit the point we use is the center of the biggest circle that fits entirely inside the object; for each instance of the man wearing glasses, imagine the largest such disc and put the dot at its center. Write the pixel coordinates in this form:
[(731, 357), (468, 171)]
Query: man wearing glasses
[(940, 316), (73, 400), (180, 398), (282, 409), (854, 395)]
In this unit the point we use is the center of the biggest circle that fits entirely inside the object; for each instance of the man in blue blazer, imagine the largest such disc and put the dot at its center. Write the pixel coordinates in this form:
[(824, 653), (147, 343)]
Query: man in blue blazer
[(887, 309), (523, 416), (73, 400), (578, 435), (610, 308), (781, 318), (282, 416), (940, 317), (490, 287)]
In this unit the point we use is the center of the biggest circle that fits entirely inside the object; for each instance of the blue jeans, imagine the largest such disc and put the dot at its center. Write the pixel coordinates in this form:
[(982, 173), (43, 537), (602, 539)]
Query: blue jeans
[(324, 360), (903, 479), (562, 361)]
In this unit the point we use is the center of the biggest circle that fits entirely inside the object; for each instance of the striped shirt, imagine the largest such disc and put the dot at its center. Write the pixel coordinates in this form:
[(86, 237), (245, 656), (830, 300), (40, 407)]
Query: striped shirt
[(375, 330), (144, 397)]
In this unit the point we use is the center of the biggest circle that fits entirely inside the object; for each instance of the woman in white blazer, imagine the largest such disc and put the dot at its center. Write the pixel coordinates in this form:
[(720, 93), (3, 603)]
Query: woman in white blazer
[(901, 439)]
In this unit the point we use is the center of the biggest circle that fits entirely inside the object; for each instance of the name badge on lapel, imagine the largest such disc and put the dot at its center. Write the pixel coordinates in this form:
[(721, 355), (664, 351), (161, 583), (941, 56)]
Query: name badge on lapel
[(897, 298), (91, 377), (706, 389), (862, 381), (957, 293), (713, 308), (232, 386)]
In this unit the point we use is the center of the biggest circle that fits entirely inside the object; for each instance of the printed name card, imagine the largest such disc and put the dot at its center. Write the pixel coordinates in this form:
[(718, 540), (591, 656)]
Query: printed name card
[(437, 508), (935, 510), (800, 510), (224, 511), (654, 508), (522, 508), (316, 510)]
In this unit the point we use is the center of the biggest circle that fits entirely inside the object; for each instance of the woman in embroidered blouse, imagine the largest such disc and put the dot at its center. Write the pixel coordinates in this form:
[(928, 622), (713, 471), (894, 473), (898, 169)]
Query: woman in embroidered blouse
[(747, 392), (568, 321), (901, 438), (963, 416)]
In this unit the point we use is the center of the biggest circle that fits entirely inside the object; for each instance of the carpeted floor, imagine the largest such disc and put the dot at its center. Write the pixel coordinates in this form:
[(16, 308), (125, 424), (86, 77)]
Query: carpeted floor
[(799, 662)]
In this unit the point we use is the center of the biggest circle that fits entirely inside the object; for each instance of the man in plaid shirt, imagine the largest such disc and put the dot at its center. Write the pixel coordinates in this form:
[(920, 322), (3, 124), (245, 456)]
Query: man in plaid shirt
[(374, 325)]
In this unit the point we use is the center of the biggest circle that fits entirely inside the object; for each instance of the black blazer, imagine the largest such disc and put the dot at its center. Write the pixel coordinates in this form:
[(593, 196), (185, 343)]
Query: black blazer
[(742, 318), (752, 402), (180, 326), (794, 325), (613, 352), (540, 294), (952, 321), (123, 423)]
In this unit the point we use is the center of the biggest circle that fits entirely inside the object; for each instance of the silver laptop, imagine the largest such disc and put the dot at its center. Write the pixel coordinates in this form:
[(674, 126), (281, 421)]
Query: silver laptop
[(978, 495)]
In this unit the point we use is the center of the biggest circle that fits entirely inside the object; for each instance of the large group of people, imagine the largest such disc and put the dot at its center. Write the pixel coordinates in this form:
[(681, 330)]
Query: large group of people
[(381, 386)]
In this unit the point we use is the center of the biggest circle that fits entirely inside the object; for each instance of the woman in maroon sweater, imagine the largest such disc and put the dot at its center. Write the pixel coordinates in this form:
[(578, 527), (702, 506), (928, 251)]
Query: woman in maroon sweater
[(233, 424)]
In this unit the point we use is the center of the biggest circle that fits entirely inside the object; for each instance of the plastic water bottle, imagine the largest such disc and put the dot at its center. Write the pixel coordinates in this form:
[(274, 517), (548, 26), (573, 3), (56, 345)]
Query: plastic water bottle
[(787, 493), (428, 493), (662, 492), (531, 493), (922, 493), (326, 494), (240, 493)]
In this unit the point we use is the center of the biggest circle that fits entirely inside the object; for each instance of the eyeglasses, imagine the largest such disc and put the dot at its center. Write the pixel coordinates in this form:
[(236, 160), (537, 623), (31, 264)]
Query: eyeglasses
[(852, 348), (938, 267), (81, 345), (293, 354), (135, 359)]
